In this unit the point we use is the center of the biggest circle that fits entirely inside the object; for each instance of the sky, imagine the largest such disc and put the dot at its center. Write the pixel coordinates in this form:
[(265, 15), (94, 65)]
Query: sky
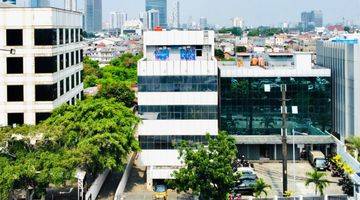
[(254, 12)]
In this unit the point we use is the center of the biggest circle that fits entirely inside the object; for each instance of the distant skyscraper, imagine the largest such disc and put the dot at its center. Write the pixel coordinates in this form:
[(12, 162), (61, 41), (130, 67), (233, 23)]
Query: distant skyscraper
[(152, 19), (117, 19), (93, 15), (312, 19), (9, 1), (39, 3), (203, 23), (238, 22), (161, 6), (175, 16)]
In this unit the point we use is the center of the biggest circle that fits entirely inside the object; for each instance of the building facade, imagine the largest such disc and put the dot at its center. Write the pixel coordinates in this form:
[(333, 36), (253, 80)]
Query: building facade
[(161, 6), (252, 115), (343, 57), (45, 70), (152, 19), (177, 96), (117, 20), (93, 15), (311, 20)]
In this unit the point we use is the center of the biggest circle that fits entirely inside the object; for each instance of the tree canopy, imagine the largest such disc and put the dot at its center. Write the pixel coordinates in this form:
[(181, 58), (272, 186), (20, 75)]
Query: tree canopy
[(208, 169)]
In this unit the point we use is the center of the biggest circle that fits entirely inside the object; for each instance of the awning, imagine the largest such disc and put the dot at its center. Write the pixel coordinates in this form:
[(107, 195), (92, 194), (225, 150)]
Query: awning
[(276, 139)]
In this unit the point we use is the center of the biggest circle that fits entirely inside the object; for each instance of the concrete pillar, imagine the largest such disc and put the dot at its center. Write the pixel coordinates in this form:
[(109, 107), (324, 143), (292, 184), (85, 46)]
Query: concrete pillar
[(149, 180), (275, 152)]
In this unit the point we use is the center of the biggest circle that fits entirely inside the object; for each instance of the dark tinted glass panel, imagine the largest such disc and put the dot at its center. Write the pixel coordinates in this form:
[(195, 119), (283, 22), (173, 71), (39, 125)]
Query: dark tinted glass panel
[(15, 93), (76, 35), (67, 57), (45, 92), (14, 37), (45, 64), (177, 83), (81, 35), (76, 57), (62, 87), (71, 35), (72, 58), (246, 109), (61, 61), (72, 81), (41, 117), (15, 118), (77, 78), (82, 75), (45, 37), (178, 112), (67, 84), (14, 65), (81, 55), (61, 35), (169, 142), (67, 36)]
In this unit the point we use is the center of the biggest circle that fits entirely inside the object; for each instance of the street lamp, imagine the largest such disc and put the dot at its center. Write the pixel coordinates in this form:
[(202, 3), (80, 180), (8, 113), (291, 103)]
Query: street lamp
[(284, 113), (12, 51)]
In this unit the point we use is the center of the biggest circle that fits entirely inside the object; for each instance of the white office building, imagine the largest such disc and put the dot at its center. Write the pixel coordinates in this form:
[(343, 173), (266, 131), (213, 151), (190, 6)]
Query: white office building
[(177, 96), (45, 70), (342, 56)]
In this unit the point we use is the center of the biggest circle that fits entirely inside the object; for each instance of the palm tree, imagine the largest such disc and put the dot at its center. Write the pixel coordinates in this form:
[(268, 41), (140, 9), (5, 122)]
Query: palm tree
[(260, 187), (319, 179)]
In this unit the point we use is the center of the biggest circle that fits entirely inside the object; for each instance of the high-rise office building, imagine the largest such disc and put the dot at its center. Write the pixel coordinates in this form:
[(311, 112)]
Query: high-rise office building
[(175, 16), (161, 6), (311, 20), (9, 1), (342, 57), (203, 23), (45, 70), (70, 5), (152, 19), (93, 15), (39, 3), (117, 20)]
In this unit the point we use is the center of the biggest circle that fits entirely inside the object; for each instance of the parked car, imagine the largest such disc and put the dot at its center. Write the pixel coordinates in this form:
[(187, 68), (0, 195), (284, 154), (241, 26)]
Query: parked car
[(247, 172), (160, 192)]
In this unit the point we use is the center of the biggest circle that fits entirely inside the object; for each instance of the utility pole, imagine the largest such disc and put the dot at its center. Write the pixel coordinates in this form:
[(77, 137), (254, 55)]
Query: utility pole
[(284, 137)]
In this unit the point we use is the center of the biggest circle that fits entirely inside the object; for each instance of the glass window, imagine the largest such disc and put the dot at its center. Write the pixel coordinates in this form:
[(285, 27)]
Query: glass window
[(14, 37), (72, 81), (67, 84), (62, 87), (61, 35), (15, 93), (72, 58), (61, 57), (71, 35), (77, 78), (15, 118), (67, 57), (67, 37), (45, 37), (45, 92), (14, 65), (45, 64), (179, 112), (41, 117)]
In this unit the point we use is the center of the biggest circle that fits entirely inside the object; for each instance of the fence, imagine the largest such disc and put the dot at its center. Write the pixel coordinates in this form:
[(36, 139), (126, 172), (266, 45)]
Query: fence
[(121, 187), (94, 189)]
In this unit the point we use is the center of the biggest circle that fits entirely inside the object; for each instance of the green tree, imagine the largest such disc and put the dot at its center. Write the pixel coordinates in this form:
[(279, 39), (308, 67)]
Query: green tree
[(100, 131), (219, 54), (208, 169), (240, 49), (118, 90), (91, 72), (318, 179), (260, 187)]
